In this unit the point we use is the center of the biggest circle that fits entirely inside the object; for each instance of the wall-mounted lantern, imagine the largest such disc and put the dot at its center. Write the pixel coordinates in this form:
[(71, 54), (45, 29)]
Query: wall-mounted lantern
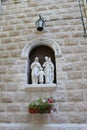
[(40, 23)]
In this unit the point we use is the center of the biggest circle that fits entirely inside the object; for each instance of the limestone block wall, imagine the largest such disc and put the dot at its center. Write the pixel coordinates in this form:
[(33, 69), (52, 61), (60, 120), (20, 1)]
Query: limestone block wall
[(17, 28)]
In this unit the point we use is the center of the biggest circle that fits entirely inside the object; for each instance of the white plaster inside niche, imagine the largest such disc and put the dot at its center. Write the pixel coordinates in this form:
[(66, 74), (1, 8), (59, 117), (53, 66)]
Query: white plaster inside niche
[(40, 87)]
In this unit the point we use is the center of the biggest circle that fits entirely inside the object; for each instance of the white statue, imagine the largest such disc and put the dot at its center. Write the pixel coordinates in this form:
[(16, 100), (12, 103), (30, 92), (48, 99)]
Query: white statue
[(49, 70), (35, 66), (41, 76), (46, 69)]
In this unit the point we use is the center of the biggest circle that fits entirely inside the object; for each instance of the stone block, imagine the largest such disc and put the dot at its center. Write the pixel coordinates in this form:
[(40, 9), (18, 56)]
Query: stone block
[(67, 106), (21, 118), (70, 85), (60, 96), (81, 84), (7, 97), (13, 86), (80, 65), (10, 61), (6, 40), (40, 118), (60, 117), (61, 85), (16, 53), (11, 47), (74, 75), (21, 97), (85, 75), (15, 21), (82, 41), (12, 69), (20, 39), (3, 107), (66, 50), (3, 69), (2, 47), (70, 42), (79, 49), (72, 58), (83, 57), (67, 67), (4, 54), (82, 106), (19, 77), (8, 77), (8, 28), (85, 95), (1, 62), (75, 96), (62, 35), (3, 86), (14, 107), (6, 117), (14, 33), (3, 34), (61, 75), (77, 117)]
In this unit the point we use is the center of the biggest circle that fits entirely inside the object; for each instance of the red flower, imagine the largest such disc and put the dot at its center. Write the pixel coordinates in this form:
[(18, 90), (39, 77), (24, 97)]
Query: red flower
[(51, 100)]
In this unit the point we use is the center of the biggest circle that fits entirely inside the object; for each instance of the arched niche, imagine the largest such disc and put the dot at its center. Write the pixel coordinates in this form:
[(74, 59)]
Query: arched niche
[(41, 51), (41, 41), (41, 47)]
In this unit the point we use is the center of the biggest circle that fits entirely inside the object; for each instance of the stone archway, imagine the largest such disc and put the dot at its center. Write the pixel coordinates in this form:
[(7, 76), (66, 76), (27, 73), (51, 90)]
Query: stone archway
[(33, 44), (41, 41)]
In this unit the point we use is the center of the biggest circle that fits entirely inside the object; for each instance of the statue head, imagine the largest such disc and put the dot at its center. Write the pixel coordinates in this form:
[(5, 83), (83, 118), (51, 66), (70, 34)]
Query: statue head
[(36, 59), (46, 58)]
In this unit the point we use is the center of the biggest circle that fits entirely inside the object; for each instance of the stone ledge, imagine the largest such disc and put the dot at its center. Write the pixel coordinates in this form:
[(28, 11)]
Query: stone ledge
[(22, 126), (40, 87), (40, 118)]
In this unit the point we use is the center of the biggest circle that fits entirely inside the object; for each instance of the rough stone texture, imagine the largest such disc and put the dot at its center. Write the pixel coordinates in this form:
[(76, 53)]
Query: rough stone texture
[(64, 26)]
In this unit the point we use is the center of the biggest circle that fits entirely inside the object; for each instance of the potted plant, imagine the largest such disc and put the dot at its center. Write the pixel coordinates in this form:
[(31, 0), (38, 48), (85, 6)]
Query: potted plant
[(33, 108), (41, 105)]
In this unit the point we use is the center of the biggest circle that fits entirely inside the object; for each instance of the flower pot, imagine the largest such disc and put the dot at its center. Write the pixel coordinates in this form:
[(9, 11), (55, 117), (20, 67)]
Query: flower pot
[(33, 111), (36, 110), (49, 109)]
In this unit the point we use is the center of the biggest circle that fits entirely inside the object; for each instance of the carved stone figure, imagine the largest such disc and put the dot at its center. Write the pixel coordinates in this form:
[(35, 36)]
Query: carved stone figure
[(49, 70), (41, 76), (35, 66), (46, 69)]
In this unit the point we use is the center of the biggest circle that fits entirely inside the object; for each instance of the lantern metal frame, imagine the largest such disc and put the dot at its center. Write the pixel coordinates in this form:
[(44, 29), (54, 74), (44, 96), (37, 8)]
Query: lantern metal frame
[(40, 23)]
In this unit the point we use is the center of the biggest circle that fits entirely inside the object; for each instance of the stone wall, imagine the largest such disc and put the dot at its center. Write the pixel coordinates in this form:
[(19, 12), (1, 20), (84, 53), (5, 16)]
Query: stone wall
[(17, 28)]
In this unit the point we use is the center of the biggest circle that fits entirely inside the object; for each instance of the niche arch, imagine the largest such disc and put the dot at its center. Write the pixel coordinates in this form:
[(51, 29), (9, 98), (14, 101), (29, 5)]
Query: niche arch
[(31, 49), (41, 41)]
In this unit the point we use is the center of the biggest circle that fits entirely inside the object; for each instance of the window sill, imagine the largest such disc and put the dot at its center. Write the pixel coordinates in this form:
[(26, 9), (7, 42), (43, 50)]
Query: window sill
[(40, 118), (40, 87)]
